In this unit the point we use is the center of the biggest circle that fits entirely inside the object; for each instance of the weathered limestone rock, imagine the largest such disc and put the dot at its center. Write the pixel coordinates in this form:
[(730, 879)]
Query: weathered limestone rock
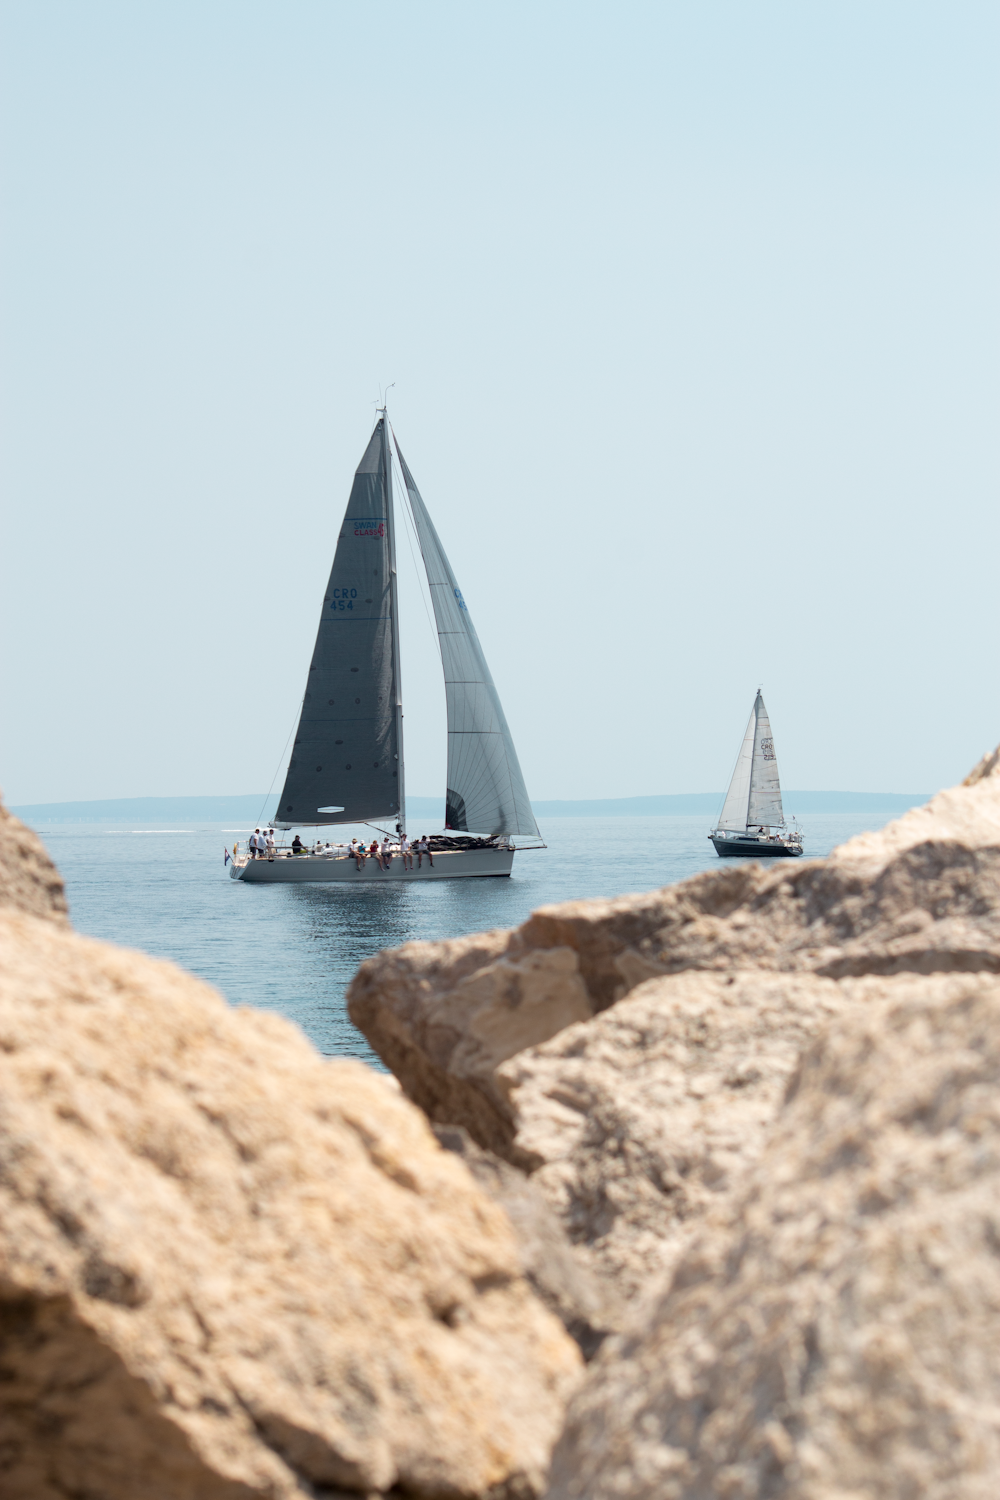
[(29, 881), (834, 1331), (639, 1121), (587, 1305), (447, 1014), (229, 1268), (921, 896)]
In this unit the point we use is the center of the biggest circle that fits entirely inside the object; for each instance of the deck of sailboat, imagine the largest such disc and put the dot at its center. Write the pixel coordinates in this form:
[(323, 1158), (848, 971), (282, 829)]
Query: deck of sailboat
[(449, 864)]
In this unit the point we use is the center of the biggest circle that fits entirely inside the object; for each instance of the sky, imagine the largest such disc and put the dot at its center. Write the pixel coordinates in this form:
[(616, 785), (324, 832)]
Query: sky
[(690, 317)]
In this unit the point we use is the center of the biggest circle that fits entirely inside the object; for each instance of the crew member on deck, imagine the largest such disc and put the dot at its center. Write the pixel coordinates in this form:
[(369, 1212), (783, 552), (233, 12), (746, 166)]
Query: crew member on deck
[(296, 845)]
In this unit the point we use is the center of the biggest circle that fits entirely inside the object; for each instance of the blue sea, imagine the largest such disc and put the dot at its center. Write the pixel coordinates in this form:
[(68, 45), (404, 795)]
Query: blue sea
[(294, 949)]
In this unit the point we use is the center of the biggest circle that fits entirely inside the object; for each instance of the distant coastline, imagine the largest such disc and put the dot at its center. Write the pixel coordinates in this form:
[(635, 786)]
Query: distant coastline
[(249, 810)]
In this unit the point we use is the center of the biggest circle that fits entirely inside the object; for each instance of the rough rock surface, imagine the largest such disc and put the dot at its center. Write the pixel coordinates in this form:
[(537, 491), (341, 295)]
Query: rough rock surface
[(587, 1305), (229, 1268), (639, 1121), (835, 1332), (29, 881), (922, 895)]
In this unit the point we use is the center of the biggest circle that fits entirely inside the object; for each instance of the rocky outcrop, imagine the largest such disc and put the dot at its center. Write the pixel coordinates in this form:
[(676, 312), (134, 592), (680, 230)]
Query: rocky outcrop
[(921, 896), (229, 1268), (833, 1330), (586, 1304), (29, 881), (642, 1120)]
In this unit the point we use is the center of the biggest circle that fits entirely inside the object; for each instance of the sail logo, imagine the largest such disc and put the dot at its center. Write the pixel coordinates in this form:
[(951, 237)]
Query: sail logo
[(767, 749), (461, 602), (368, 525)]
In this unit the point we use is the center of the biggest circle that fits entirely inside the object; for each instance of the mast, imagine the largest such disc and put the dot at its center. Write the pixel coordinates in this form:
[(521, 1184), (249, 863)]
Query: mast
[(394, 609)]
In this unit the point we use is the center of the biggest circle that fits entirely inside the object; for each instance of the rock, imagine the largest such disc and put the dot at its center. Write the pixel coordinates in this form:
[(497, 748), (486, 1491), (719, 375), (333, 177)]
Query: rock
[(834, 1329), (229, 1268), (447, 1014), (921, 896), (29, 881), (587, 1305), (641, 1120)]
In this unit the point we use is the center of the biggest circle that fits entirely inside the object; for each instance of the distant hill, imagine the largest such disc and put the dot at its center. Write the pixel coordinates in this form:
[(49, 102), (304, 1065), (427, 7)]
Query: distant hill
[(247, 811)]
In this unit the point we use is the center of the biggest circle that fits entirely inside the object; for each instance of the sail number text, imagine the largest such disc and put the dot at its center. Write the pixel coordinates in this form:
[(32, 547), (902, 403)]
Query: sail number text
[(342, 598)]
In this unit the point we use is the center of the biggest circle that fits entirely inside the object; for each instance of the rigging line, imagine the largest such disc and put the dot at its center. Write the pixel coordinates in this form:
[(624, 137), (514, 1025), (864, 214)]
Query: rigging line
[(278, 767)]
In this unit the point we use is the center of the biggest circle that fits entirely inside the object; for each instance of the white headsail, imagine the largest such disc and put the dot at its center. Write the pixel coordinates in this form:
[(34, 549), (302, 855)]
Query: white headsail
[(486, 791), (754, 796)]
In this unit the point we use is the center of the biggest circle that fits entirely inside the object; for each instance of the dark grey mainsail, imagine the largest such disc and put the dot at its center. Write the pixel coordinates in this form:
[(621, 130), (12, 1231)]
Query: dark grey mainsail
[(486, 792), (346, 762)]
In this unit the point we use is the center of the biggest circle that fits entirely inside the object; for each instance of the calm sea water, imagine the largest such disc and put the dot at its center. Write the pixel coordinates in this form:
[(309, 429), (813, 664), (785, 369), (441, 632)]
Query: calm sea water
[(294, 949)]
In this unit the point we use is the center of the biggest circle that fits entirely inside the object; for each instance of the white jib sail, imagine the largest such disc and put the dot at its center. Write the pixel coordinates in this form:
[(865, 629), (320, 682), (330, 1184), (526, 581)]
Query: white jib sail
[(735, 809), (754, 796), (486, 791)]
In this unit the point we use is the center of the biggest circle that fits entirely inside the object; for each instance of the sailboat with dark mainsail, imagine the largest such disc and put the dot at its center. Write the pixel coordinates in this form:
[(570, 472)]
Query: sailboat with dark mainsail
[(753, 820), (346, 764)]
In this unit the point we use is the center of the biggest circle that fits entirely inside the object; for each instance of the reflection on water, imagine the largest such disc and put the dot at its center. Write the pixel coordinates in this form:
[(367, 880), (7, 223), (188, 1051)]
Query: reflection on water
[(295, 948)]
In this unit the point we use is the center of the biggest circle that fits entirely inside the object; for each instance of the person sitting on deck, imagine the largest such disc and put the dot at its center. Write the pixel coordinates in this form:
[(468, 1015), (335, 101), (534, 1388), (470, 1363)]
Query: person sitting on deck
[(296, 845), (358, 850), (405, 851), (423, 847), (385, 852)]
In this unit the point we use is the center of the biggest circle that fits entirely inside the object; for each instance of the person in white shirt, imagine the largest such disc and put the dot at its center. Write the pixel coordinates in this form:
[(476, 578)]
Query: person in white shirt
[(406, 852), (269, 844), (423, 847), (385, 852), (255, 844), (358, 850)]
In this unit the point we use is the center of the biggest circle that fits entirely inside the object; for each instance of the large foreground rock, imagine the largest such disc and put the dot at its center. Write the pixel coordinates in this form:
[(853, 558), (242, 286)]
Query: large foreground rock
[(630, 1053), (29, 881), (640, 1121), (835, 1331), (229, 1268)]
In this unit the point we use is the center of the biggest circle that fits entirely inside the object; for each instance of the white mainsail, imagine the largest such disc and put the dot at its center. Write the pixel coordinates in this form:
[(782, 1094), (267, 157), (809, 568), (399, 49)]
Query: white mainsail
[(754, 796)]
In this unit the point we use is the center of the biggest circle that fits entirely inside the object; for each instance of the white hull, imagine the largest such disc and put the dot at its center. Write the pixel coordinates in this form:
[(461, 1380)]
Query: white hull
[(449, 864)]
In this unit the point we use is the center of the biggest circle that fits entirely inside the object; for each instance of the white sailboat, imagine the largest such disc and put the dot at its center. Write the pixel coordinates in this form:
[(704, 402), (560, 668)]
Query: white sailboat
[(346, 764), (753, 820)]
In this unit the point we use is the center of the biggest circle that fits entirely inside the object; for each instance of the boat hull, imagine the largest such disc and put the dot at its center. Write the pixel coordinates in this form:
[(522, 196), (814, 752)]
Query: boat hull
[(750, 848), (300, 869)]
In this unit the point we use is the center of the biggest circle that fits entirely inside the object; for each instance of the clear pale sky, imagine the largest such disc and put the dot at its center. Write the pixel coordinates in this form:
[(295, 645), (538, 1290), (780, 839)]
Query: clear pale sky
[(692, 314)]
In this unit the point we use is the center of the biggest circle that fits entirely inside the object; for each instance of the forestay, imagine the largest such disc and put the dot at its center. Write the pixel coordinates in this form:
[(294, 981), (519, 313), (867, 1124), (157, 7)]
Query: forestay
[(345, 762), (486, 792), (754, 796)]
